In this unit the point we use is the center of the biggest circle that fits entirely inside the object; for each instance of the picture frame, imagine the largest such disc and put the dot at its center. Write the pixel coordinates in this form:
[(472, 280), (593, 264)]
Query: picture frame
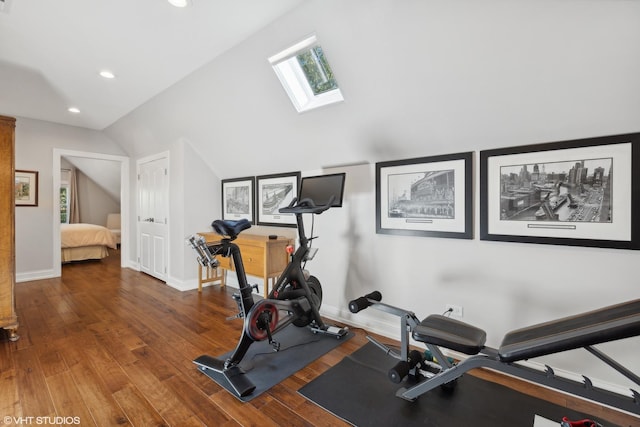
[(238, 199), (26, 188), (274, 192), (426, 196), (563, 193)]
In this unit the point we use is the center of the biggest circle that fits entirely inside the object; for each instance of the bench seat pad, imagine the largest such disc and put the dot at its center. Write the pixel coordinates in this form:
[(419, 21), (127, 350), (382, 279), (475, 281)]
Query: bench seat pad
[(450, 333), (594, 327)]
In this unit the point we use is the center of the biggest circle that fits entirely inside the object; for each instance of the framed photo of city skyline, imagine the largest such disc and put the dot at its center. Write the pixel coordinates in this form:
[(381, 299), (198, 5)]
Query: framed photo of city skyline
[(427, 196), (582, 192), (275, 192), (238, 199)]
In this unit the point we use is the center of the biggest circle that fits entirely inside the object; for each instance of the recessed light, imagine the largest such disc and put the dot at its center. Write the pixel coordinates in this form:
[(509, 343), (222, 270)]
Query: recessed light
[(74, 110), (107, 74), (179, 3)]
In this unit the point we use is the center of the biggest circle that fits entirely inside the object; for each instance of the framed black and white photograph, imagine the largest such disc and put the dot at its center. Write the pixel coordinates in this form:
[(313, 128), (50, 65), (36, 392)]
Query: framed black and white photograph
[(26, 188), (275, 192), (238, 199), (427, 196), (581, 192)]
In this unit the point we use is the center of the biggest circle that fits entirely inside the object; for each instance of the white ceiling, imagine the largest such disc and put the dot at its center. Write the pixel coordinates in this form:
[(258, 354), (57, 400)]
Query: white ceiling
[(52, 51)]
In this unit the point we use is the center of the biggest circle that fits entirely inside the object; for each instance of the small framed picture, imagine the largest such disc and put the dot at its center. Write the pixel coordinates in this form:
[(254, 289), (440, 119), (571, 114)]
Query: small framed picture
[(275, 192), (238, 199), (427, 196), (26, 189)]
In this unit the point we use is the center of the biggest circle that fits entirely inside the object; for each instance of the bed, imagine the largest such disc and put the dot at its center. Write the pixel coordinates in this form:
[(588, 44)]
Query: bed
[(85, 241)]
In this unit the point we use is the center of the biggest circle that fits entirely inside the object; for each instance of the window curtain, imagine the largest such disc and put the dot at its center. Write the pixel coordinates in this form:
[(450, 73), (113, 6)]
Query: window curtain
[(74, 209)]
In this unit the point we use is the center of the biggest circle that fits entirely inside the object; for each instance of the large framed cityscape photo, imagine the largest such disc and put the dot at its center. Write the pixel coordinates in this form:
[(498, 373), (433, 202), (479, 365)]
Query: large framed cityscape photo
[(275, 192), (427, 196), (238, 198), (582, 192)]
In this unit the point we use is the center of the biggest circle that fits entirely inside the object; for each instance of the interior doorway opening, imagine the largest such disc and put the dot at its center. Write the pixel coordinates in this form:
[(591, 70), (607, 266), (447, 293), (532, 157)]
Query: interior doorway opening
[(123, 161)]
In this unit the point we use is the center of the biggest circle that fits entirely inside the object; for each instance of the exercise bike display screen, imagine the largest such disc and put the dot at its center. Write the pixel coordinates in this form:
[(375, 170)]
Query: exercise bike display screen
[(320, 189)]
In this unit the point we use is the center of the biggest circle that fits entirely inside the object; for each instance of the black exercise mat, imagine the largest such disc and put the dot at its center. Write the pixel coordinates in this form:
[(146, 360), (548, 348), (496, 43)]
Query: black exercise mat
[(358, 391), (265, 367)]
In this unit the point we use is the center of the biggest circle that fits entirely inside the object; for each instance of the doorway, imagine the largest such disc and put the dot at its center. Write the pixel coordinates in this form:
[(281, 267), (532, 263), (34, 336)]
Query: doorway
[(123, 161)]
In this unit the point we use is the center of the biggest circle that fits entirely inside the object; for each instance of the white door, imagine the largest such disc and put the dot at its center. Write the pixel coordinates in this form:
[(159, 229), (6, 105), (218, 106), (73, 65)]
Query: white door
[(153, 192)]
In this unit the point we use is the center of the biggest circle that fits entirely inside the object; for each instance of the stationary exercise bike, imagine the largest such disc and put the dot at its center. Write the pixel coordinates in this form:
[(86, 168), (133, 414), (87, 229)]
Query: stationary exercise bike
[(295, 298)]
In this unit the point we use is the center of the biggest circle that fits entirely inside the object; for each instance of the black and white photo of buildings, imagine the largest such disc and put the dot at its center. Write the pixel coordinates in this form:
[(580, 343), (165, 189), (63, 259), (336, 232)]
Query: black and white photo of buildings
[(422, 195), (238, 200), (275, 196), (567, 191)]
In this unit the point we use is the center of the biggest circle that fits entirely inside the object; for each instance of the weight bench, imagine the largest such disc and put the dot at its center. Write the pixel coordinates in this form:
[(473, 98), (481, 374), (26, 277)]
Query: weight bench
[(583, 330)]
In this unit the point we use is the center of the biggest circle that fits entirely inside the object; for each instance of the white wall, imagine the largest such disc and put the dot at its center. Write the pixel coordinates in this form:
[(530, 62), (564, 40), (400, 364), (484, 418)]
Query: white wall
[(95, 203), (194, 195), (424, 78), (35, 141), (419, 77)]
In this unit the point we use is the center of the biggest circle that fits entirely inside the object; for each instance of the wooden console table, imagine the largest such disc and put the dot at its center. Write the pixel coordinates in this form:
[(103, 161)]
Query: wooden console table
[(262, 257)]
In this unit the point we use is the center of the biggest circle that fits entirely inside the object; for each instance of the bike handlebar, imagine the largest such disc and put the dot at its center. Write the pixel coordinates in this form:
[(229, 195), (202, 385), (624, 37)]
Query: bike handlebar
[(306, 205)]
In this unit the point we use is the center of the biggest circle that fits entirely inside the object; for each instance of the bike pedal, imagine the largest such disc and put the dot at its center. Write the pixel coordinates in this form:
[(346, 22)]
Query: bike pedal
[(237, 316)]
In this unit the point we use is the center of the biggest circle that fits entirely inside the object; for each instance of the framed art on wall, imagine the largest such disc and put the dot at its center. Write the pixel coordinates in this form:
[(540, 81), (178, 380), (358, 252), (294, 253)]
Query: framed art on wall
[(238, 199), (275, 192), (582, 192), (427, 196), (26, 188)]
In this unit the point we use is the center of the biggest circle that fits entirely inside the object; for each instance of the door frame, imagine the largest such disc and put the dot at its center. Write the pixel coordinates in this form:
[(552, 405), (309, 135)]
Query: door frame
[(157, 156), (124, 202)]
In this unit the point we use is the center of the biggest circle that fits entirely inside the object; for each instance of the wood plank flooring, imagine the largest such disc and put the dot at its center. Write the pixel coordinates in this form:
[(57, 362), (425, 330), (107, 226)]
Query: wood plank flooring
[(107, 346)]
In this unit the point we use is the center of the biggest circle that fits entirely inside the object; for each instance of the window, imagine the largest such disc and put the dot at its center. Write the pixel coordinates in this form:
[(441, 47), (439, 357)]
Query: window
[(305, 74), (65, 179), (64, 204)]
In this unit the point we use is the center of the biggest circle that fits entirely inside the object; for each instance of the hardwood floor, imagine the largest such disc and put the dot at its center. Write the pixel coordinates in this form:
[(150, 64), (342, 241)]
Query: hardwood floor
[(109, 346)]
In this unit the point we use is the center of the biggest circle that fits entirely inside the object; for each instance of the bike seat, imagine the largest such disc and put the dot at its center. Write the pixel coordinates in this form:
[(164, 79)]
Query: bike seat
[(229, 227)]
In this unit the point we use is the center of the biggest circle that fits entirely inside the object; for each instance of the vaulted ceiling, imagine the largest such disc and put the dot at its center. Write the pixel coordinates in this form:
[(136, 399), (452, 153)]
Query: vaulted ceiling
[(51, 53)]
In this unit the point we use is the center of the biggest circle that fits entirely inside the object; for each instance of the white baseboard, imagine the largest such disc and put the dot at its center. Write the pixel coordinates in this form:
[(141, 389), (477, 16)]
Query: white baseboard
[(132, 265), (35, 275), (182, 285)]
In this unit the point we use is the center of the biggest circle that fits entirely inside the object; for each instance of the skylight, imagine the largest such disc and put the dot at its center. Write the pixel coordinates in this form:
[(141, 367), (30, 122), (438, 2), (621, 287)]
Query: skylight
[(306, 76)]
